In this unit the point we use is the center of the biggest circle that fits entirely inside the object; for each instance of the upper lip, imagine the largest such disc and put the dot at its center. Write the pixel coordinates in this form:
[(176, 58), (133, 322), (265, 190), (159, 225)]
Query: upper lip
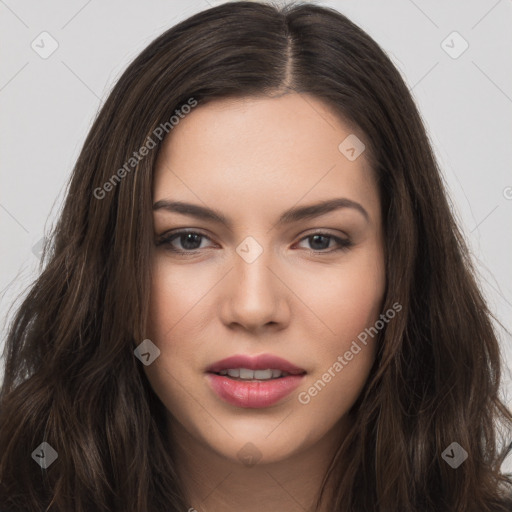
[(260, 362)]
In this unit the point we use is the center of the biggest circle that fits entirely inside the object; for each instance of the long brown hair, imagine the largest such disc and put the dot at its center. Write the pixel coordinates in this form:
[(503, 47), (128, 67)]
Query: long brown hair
[(71, 378)]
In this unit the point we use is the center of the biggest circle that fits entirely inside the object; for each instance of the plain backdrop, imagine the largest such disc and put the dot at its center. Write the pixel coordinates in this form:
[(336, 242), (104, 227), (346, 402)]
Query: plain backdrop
[(455, 57)]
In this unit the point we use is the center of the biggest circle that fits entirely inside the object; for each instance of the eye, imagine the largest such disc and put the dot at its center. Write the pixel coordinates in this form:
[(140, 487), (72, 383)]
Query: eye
[(320, 241), (190, 242)]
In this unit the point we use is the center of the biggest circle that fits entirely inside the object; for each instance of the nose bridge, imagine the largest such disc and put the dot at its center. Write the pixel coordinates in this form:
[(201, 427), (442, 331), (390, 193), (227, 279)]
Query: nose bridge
[(256, 296)]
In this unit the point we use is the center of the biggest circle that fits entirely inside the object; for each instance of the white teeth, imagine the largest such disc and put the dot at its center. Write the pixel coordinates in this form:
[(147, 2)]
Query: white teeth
[(246, 374), (263, 374)]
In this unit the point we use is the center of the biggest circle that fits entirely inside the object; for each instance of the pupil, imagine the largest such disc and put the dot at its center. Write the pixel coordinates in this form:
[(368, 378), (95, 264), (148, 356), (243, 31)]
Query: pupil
[(315, 239), (189, 238)]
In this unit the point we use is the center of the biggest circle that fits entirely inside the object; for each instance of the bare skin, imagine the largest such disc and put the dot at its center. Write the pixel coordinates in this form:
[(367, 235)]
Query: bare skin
[(300, 299)]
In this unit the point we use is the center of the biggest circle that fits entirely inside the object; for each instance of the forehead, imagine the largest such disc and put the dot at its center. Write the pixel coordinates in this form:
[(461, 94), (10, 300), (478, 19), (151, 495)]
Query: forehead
[(262, 152)]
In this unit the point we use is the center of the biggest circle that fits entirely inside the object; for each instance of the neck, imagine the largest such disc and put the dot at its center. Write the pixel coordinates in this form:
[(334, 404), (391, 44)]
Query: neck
[(214, 483)]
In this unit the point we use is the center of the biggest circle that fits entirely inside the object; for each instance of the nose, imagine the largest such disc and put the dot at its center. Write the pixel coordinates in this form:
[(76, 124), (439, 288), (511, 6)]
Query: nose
[(255, 297)]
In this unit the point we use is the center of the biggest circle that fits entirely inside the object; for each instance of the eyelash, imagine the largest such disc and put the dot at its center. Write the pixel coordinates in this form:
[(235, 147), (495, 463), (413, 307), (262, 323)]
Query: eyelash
[(344, 244)]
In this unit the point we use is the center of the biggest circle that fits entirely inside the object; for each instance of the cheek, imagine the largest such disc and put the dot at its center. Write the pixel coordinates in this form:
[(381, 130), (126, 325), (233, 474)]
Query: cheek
[(349, 304), (177, 295), (346, 298), (174, 303), (360, 297)]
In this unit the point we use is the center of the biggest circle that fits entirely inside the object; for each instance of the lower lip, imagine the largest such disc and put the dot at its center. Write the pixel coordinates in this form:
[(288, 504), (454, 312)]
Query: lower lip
[(253, 394)]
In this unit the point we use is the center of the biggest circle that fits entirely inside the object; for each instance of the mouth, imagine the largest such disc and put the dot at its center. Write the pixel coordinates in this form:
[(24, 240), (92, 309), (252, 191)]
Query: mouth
[(253, 382), (248, 374)]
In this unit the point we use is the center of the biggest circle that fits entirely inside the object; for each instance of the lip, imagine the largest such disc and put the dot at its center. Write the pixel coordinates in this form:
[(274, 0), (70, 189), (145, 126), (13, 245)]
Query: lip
[(252, 393), (260, 362)]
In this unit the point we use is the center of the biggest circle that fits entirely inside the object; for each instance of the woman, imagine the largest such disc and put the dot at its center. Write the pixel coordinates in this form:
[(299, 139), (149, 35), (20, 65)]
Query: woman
[(256, 296)]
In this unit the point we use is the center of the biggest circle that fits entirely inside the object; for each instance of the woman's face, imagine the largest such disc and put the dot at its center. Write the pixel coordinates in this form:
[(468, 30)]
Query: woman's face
[(260, 286)]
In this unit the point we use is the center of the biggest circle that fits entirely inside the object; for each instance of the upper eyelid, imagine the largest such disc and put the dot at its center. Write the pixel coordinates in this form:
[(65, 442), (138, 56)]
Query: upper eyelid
[(168, 234), (318, 231), (198, 231)]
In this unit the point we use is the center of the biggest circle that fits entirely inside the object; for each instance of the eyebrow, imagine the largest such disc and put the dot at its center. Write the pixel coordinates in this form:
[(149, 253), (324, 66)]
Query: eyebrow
[(288, 217)]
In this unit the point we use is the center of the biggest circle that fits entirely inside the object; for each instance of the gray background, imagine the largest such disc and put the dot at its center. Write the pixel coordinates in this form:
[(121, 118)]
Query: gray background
[(48, 105)]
